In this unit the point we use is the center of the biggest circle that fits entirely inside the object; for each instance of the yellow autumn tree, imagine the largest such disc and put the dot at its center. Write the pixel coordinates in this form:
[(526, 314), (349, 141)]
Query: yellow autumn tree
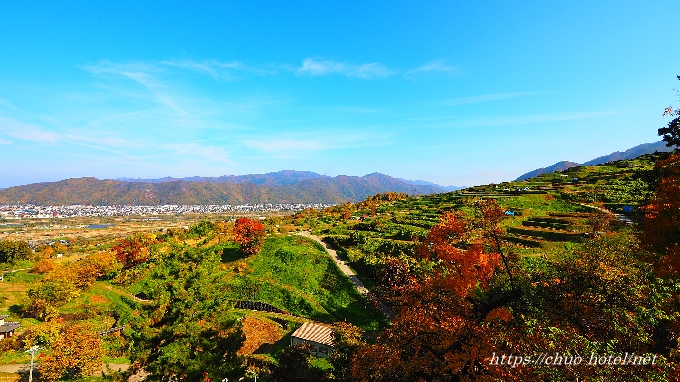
[(76, 353)]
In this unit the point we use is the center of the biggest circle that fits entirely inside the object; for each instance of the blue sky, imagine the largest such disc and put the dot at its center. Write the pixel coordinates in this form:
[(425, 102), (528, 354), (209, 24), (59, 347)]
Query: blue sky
[(453, 92)]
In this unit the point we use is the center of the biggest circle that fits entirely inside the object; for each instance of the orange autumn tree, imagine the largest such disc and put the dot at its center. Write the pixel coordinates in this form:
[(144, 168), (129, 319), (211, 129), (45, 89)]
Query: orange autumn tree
[(134, 250), (76, 353), (446, 322), (250, 235), (660, 229)]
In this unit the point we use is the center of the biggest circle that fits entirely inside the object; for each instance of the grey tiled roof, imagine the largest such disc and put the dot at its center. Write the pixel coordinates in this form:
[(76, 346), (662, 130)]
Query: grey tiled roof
[(315, 332), (9, 327)]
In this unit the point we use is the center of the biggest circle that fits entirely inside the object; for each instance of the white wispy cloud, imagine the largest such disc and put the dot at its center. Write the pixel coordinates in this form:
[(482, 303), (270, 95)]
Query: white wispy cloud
[(144, 72), (315, 67), (219, 70), (370, 71), (286, 145), (157, 89), (27, 132), (485, 98), (320, 67), (215, 69), (145, 75), (103, 142), (5, 142), (434, 67), (211, 153), (109, 67), (534, 118), (327, 138)]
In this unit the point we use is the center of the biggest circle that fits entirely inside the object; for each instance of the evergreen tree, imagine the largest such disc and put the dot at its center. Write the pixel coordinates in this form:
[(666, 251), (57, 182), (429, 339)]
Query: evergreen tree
[(188, 333)]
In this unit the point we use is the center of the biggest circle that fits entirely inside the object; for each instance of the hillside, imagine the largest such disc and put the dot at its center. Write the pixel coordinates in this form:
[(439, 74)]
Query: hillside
[(249, 189), (547, 211), (645, 148), (559, 166)]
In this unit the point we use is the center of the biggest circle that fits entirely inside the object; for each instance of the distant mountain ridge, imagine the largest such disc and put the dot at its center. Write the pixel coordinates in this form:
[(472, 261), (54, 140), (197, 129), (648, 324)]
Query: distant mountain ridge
[(426, 183), (278, 178), (273, 178), (645, 148), (280, 187)]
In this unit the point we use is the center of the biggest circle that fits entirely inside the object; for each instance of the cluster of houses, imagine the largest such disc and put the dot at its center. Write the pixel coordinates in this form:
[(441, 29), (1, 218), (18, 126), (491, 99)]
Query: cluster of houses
[(43, 212)]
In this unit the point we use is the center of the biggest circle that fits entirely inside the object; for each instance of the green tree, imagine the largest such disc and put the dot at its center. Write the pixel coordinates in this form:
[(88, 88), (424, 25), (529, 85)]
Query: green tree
[(347, 339), (295, 365), (201, 229), (12, 251), (188, 333), (47, 295)]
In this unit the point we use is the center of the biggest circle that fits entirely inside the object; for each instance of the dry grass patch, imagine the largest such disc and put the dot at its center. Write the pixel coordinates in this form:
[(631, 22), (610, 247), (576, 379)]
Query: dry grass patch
[(99, 300), (10, 294), (259, 333)]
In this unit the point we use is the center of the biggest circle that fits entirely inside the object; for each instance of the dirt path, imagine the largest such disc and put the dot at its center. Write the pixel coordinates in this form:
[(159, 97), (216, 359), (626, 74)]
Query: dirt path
[(126, 294), (623, 218), (347, 271), (17, 368), (14, 270)]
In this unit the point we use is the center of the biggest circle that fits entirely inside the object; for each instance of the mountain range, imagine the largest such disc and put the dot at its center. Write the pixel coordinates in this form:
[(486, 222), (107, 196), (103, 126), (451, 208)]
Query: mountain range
[(277, 187), (279, 178), (645, 148)]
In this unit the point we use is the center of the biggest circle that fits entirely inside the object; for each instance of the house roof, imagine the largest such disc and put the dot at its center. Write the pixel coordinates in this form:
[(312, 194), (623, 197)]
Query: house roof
[(315, 332), (2, 317), (9, 327)]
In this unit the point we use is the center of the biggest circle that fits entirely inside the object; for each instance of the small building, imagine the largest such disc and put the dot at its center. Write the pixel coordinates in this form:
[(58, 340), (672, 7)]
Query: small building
[(7, 328), (319, 336)]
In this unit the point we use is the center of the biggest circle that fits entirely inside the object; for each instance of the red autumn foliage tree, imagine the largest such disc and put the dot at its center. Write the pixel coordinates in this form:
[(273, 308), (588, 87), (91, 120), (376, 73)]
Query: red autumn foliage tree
[(660, 232), (443, 326), (465, 265), (250, 235)]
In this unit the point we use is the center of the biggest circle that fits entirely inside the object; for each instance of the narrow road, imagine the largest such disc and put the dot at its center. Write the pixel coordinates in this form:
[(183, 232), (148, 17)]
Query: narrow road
[(347, 271), (621, 217)]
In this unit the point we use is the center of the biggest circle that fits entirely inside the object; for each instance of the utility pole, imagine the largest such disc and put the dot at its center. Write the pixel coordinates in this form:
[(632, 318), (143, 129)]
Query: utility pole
[(34, 349)]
